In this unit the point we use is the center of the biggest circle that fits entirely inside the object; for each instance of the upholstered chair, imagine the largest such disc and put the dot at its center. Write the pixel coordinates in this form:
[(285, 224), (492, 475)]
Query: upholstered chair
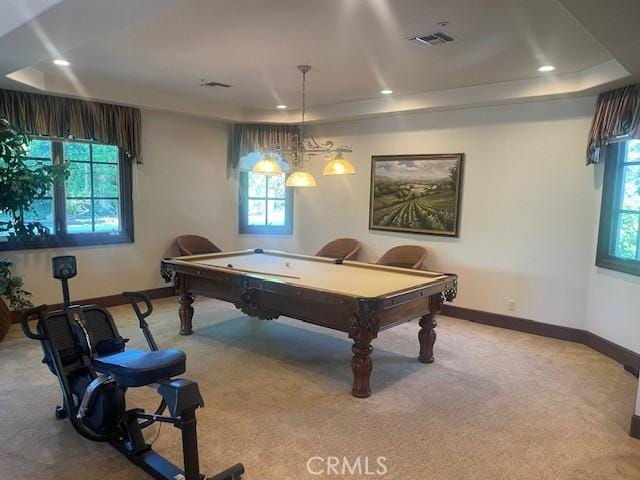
[(345, 248), (195, 245), (405, 256)]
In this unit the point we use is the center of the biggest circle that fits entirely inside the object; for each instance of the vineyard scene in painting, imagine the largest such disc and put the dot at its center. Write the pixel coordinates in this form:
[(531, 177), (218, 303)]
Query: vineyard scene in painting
[(419, 194)]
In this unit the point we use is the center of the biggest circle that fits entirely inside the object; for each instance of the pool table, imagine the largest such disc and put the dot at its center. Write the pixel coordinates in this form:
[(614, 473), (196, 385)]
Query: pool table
[(357, 298)]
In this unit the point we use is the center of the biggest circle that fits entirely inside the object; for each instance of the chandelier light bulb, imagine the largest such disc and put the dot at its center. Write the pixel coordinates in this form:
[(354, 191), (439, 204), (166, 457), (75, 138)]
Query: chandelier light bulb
[(267, 165), (301, 179), (339, 166)]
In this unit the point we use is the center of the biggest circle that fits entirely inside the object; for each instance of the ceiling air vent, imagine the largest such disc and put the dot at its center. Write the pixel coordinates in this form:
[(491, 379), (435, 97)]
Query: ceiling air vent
[(433, 38), (204, 83)]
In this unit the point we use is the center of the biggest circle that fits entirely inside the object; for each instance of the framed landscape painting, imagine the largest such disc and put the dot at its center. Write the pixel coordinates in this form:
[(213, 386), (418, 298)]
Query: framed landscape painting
[(416, 193)]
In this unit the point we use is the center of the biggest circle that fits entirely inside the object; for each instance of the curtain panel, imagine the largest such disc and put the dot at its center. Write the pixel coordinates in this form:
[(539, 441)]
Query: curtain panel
[(616, 117), (246, 138), (61, 117)]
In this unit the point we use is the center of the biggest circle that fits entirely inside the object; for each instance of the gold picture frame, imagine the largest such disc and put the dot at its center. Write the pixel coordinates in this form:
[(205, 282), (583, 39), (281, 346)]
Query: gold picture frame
[(416, 193)]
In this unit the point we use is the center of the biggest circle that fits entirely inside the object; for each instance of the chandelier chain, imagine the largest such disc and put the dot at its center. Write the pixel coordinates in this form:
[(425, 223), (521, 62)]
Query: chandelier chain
[(300, 146), (304, 89)]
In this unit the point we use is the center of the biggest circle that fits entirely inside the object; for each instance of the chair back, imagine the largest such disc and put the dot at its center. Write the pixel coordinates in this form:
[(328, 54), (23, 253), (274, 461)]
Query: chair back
[(195, 245), (345, 248), (404, 256)]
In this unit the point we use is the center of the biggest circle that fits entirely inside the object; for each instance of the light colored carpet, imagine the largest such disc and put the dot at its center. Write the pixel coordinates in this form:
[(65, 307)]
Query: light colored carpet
[(495, 405)]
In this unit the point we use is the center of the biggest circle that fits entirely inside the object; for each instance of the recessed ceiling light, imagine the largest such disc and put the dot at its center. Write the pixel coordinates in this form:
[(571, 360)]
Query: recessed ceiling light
[(386, 92), (61, 63), (281, 107), (547, 68)]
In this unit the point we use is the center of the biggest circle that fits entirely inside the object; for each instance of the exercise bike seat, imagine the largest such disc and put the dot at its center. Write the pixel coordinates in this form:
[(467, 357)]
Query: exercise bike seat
[(135, 368)]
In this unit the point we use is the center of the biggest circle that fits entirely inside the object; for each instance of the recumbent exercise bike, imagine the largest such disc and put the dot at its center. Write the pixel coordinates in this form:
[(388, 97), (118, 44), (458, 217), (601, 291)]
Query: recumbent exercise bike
[(83, 348)]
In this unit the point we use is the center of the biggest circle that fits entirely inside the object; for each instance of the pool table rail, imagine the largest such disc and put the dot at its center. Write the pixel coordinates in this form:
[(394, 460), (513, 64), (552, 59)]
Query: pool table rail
[(192, 265)]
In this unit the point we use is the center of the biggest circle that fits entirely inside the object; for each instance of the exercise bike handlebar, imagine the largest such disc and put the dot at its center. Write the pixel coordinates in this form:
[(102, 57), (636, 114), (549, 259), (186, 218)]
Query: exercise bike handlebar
[(24, 321), (134, 298)]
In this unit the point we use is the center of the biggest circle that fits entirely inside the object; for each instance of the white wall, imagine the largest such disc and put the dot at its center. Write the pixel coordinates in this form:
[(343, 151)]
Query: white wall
[(528, 215), (181, 188), (613, 307)]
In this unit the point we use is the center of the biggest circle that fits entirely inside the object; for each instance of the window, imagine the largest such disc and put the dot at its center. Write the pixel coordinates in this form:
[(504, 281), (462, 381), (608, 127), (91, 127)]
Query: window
[(93, 188), (619, 235), (266, 205), (93, 206)]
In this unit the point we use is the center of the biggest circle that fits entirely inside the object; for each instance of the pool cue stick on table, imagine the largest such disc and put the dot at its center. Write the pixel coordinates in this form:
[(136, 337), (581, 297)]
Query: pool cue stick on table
[(236, 269)]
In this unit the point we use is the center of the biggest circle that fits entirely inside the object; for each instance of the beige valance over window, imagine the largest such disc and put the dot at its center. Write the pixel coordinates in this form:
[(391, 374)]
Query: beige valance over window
[(61, 117), (616, 117), (246, 138)]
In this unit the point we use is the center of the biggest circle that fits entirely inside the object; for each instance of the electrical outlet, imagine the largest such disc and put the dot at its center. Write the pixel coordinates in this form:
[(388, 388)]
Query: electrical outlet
[(511, 305)]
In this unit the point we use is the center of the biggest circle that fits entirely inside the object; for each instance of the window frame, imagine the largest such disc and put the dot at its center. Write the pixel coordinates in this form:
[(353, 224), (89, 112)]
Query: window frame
[(245, 228), (612, 187), (59, 237)]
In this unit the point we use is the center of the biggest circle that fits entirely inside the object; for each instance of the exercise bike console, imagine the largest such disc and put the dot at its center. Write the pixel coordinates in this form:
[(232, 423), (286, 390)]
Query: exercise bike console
[(83, 348), (64, 268)]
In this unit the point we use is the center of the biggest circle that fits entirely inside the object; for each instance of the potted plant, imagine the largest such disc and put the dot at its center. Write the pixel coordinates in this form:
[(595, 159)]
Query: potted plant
[(20, 185)]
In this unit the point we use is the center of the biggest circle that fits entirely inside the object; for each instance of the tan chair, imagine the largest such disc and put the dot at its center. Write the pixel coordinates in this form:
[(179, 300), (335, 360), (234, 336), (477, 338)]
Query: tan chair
[(404, 256), (345, 248), (195, 245)]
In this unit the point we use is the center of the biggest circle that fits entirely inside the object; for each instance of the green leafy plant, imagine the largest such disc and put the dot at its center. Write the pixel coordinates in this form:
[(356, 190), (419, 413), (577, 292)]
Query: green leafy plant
[(20, 186), (11, 287)]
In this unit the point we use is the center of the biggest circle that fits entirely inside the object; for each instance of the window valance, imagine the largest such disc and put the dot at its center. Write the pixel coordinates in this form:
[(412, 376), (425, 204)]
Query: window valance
[(616, 117), (246, 138), (46, 115)]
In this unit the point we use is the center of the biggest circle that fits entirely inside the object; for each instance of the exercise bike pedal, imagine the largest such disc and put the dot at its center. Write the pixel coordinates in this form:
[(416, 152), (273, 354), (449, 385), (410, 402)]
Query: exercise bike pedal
[(61, 413)]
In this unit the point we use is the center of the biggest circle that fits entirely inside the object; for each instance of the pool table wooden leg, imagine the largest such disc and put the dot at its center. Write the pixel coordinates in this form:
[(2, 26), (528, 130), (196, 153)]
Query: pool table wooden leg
[(363, 329), (427, 333), (361, 366), (185, 311)]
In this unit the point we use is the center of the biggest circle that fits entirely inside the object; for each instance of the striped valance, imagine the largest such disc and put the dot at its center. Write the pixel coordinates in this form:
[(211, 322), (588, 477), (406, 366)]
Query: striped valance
[(61, 117), (616, 117), (245, 138)]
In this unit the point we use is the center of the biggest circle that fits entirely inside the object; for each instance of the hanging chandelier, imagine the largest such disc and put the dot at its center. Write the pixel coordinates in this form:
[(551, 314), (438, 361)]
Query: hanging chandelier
[(305, 147)]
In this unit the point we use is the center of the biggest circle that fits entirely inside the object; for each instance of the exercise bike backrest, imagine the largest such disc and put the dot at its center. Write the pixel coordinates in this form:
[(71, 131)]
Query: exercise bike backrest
[(73, 332)]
